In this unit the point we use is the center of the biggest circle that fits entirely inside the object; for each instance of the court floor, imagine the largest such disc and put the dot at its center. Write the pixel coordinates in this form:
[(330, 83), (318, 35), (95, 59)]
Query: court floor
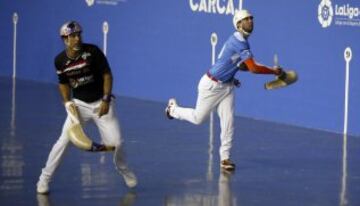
[(177, 163)]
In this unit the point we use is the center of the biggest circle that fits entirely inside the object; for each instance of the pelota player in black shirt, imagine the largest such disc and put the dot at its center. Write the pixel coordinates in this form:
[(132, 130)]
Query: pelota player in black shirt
[(85, 83)]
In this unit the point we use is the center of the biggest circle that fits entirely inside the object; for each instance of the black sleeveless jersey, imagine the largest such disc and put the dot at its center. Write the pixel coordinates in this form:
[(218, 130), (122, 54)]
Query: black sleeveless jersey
[(84, 74)]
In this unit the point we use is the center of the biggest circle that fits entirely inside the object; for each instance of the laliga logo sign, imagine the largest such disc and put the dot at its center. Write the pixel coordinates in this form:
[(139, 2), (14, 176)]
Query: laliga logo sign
[(345, 15), (325, 13)]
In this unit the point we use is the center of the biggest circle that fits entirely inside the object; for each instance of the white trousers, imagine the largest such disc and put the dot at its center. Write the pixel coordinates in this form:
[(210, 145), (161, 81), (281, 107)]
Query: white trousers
[(109, 130), (213, 94)]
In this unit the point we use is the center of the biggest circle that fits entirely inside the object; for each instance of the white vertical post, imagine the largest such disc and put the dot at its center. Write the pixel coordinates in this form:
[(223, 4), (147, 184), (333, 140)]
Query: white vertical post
[(347, 56), (15, 21), (105, 31), (213, 41)]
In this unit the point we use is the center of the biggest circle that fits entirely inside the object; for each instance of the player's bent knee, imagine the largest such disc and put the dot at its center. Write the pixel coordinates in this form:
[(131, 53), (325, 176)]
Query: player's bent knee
[(199, 120)]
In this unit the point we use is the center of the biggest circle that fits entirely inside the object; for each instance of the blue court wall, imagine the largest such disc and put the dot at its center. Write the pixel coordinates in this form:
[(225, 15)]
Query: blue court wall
[(160, 49)]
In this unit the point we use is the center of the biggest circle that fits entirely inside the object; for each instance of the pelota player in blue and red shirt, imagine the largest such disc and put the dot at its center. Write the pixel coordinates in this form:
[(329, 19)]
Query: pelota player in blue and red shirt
[(216, 87)]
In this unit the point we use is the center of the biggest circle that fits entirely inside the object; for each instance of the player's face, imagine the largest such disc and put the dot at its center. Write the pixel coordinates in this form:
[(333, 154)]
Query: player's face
[(73, 41), (247, 24)]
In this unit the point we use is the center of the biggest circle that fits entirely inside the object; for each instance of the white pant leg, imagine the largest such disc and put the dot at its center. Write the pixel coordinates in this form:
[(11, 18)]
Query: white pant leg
[(58, 150), (110, 132), (226, 114), (56, 154), (210, 94)]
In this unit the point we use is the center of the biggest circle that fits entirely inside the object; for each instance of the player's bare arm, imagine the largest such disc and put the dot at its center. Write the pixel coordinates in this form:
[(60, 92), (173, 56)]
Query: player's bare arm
[(65, 92), (260, 69), (104, 107)]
